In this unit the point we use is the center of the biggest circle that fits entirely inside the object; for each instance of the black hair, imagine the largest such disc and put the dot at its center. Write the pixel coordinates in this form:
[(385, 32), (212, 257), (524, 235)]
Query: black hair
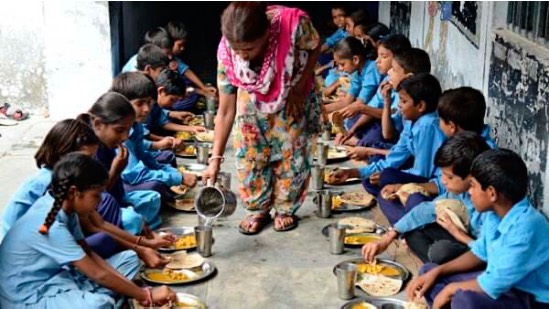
[(396, 43), (460, 151), (376, 31), (245, 21), (504, 170), (414, 60), (135, 85), (177, 30), (152, 55), (77, 170), (66, 136), (111, 108), (172, 82), (422, 87), (349, 47), (464, 106), (359, 16), (159, 37)]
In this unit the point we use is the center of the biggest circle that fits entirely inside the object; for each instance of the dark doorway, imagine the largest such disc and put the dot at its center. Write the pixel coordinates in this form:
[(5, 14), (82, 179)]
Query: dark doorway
[(131, 20)]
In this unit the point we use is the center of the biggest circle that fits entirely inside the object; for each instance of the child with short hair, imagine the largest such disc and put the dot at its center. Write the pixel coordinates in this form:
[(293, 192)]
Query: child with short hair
[(512, 245), (420, 139), (387, 48), (339, 13), (48, 238), (436, 238), (374, 144), (178, 33), (143, 172), (159, 37), (151, 60)]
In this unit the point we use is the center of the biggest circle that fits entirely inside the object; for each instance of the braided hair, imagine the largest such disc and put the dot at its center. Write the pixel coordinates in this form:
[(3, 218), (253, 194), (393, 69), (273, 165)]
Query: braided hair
[(66, 136), (74, 169)]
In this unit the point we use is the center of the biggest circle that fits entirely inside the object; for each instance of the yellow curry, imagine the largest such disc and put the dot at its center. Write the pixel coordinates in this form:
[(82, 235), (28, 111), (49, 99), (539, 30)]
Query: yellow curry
[(376, 269), (360, 239), (185, 242)]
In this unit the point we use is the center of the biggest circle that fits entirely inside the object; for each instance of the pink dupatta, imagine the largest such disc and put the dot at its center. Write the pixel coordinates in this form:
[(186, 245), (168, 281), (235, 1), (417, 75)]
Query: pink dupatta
[(271, 85)]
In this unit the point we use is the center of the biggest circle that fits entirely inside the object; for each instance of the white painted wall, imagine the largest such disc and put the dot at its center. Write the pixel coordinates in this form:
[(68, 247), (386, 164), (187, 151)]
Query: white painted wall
[(77, 55)]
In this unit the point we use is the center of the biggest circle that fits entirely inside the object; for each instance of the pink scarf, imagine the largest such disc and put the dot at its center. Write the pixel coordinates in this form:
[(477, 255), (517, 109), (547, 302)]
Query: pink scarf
[(271, 85)]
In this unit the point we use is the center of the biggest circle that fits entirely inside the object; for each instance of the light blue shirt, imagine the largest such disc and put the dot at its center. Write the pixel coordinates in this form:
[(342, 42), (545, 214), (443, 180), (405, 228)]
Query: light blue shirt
[(157, 118), (424, 214), (131, 65), (28, 259), (377, 101), (142, 166), (516, 250), (332, 77), (337, 36), (21, 201), (364, 83), (421, 140), (487, 138)]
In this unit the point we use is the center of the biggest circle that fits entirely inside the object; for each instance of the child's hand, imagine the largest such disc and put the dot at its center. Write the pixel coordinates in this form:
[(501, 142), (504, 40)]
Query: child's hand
[(339, 176), (152, 258), (182, 116), (444, 220), (189, 180), (388, 191), (120, 161), (370, 250), (162, 295), (374, 179), (177, 142), (386, 89), (159, 241), (360, 153), (197, 129), (445, 296), (166, 143), (417, 287), (210, 91), (351, 110)]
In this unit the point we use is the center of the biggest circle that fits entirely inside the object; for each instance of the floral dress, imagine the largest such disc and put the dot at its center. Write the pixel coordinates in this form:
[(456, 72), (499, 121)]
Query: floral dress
[(273, 158)]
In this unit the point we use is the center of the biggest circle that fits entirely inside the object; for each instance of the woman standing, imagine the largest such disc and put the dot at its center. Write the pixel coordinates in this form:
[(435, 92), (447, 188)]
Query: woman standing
[(266, 59)]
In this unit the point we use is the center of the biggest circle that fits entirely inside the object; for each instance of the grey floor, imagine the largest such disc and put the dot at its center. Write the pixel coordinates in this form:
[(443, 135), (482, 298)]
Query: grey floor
[(269, 270)]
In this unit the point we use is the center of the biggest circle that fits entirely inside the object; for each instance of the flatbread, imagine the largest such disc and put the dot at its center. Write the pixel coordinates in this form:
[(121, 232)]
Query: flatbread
[(456, 210), (405, 191), (375, 285), (185, 204), (357, 225), (185, 261), (179, 190), (414, 305), (360, 198), (207, 136), (337, 153)]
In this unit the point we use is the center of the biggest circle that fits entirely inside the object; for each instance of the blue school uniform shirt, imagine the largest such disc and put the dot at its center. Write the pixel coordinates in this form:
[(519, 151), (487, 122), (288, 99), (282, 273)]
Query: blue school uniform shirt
[(364, 83), (377, 102), (420, 139), (22, 200), (424, 214), (332, 77), (142, 166), (182, 67), (30, 260), (337, 36), (157, 118), (487, 138), (131, 65), (516, 251)]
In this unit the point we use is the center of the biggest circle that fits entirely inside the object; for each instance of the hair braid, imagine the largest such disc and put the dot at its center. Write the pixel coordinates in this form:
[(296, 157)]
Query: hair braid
[(59, 190)]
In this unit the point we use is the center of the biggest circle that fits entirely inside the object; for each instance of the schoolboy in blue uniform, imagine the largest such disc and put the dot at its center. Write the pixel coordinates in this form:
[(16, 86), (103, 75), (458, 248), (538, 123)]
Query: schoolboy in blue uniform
[(512, 244)]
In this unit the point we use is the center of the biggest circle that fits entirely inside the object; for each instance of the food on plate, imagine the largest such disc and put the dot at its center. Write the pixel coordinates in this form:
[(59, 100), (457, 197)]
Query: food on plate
[(360, 239), (379, 285), (179, 190), (405, 191), (357, 225), (456, 212), (184, 135), (187, 150), (185, 242), (377, 269), (207, 136), (361, 198), (182, 260)]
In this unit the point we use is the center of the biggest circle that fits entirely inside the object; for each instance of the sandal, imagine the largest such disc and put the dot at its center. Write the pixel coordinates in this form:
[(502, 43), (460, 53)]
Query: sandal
[(261, 221), (289, 227)]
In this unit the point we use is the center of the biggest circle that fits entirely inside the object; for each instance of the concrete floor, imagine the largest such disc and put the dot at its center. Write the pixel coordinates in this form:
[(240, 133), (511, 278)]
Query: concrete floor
[(269, 270)]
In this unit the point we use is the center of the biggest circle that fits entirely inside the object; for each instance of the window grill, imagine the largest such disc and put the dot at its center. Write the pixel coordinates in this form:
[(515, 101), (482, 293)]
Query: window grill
[(530, 19)]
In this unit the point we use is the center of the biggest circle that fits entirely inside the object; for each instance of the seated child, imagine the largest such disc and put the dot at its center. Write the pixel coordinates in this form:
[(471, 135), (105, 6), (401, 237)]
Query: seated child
[(376, 142), (431, 238), (159, 37), (151, 60), (350, 57), (178, 33), (339, 12), (420, 139), (512, 245), (143, 172), (46, 263), (461, 109), (388, 47), (370, 34)]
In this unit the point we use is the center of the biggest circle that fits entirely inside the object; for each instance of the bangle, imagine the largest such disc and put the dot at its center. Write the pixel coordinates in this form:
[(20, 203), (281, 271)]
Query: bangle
[(222, 158), (148, 301)]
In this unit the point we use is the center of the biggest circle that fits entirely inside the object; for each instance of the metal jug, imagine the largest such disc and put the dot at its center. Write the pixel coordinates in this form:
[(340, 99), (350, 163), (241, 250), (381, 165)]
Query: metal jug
[(215, 201)]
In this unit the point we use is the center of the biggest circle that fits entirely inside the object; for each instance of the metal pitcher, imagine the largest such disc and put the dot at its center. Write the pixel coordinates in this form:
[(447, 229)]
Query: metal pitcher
[(215, 201)]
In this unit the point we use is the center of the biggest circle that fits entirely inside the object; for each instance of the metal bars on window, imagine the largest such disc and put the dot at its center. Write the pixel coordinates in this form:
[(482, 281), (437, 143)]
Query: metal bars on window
[(530, 19)]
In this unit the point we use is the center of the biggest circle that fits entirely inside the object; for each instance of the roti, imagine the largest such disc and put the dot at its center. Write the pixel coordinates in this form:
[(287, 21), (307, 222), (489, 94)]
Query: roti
[(196, 121), (379, 285), (179, 190), (413, 305), (337, 153), (405, 191), (455, 210), (359, 198), (207, 136), (357, 225), (182, 260)]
